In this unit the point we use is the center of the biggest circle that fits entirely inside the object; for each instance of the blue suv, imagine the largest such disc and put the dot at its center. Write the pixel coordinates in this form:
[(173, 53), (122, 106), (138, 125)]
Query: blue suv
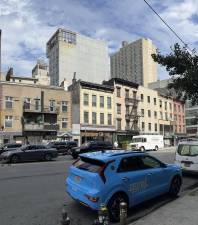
[(110, 177)]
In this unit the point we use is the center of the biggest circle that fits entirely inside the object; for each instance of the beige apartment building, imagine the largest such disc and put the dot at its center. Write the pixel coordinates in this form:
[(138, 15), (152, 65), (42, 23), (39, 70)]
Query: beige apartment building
[(70, 52), (92, 111), (159, 115), (133, 62), (125, 106), (31, 113)]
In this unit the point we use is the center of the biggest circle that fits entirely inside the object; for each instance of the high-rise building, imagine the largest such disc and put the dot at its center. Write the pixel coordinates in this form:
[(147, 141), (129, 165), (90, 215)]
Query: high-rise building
[(70, 52), (133, 62)]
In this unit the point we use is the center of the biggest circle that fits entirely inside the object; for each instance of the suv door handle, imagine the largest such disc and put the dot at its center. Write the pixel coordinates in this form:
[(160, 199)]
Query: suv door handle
[(125, 179)]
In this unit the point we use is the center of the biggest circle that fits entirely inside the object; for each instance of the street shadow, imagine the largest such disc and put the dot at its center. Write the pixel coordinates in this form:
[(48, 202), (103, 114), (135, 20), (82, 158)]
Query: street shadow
[(143, 209)]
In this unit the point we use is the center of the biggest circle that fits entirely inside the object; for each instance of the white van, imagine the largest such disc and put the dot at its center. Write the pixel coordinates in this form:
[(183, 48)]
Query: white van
[(187, 156), (147, 142)]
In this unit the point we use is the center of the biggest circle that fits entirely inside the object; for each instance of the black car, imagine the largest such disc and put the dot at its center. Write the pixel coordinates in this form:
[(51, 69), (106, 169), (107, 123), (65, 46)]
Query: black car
[(29, 153), (91, 146), (10, 147), (62, 146)]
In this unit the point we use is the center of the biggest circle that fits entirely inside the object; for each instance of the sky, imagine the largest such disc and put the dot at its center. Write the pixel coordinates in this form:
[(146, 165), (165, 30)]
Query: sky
[(28, 24)]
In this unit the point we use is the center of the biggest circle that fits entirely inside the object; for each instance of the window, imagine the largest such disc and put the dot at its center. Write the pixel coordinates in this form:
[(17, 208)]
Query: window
[(142, 97), (165, 105), (64, 106), (94, 119), (155, 101), (149, 126), (101, 118), (155, 114), (86, 117), (150, 163), (134, 94), (37, 105), (119, 127), (130, 164), (27, 103), (118, 108), (161, 115), (149, 113), (52, 105), (8, 121), (109, 119), (142, 112), (126, 93), (118, 91), (170, 106), (148, 99), (184, 150), (102, 101), (108, 102), (64, 122), (143, 126), (8, 102), (94, 101), (127, 125), (127, 109), (86, 99), (160, 103), (155, 127)]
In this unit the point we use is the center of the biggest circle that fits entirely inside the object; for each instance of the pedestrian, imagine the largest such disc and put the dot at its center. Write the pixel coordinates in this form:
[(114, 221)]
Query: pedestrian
[(116, 144)]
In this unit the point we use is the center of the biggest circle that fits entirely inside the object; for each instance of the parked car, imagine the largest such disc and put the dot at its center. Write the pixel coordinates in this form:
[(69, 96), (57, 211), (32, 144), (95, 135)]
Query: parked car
[(29, 153), (112, 177), (10, 147), (91, 146), (62, 146), (187, 156)]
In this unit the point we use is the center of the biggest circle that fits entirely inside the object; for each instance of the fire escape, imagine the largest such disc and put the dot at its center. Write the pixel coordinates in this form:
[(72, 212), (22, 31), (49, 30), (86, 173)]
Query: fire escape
[(132, 116)]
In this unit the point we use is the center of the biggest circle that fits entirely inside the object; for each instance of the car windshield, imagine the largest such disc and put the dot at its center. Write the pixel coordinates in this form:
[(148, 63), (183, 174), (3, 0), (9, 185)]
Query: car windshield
[(134, 140), (188, 150)]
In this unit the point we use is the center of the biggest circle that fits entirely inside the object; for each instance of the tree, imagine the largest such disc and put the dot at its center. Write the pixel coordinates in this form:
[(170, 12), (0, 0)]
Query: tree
[(183, 69)]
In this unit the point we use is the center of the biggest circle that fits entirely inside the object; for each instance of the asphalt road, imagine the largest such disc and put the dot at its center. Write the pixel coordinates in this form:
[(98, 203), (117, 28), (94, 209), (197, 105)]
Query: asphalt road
[(34, 194)]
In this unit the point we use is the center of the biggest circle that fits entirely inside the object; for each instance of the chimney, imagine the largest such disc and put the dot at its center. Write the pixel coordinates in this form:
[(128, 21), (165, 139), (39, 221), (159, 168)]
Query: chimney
[(124, 43), (74, 78)]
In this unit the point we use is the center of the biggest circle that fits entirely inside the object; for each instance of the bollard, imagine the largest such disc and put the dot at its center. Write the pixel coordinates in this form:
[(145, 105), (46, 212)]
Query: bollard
[(123, 213), (65, 219), (103, 218)]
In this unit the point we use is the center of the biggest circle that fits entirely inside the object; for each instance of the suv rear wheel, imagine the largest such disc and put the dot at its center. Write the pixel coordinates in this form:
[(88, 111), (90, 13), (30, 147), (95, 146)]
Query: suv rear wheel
[(114, 206), (175, 186)]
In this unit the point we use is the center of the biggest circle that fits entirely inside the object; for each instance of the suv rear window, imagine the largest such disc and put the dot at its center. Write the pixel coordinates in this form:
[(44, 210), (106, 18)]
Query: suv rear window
[(188, 150), (90, 165)]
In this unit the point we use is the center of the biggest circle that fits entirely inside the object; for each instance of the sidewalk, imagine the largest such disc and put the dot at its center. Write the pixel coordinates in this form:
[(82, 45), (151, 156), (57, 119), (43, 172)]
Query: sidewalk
[(182, 211)]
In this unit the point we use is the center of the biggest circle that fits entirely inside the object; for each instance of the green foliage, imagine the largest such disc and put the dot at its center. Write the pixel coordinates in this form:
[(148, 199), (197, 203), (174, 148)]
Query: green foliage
[(124, 144), (183, 69)]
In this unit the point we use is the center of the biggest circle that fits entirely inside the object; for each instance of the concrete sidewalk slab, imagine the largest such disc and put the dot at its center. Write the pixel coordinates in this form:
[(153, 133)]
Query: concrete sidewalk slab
[(182, 211)]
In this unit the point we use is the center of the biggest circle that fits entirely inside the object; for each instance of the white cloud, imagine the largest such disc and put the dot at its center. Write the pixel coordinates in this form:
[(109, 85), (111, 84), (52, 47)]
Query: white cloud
[(27, 25)]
